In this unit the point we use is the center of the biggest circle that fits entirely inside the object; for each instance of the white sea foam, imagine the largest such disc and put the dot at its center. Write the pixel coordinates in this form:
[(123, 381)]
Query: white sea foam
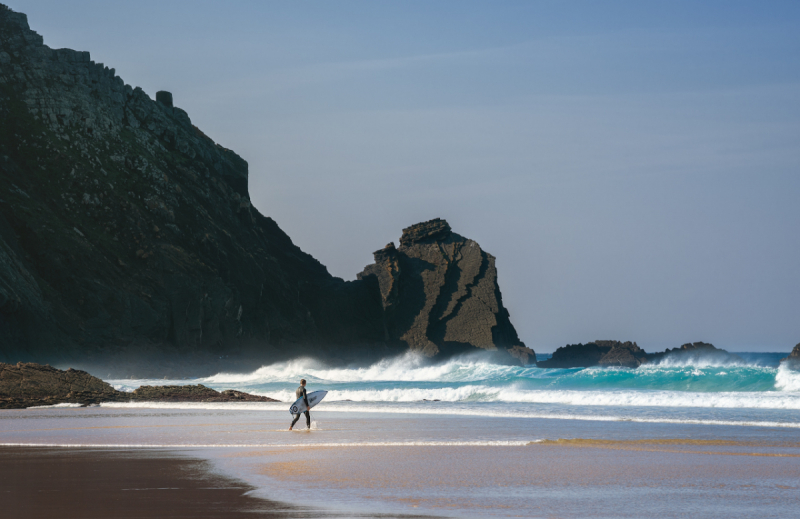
[(787, 379), (787, 396), (53, 406), (787, 399), (448, 410), (410, 367), (712, 359), (487, 443)]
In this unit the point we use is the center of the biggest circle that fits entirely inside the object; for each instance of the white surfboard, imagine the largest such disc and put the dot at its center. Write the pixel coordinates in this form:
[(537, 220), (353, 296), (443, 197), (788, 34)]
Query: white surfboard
[(299, 406)]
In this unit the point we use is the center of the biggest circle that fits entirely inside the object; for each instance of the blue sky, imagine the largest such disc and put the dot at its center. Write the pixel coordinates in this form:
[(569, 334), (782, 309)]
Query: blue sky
[(634, 166)]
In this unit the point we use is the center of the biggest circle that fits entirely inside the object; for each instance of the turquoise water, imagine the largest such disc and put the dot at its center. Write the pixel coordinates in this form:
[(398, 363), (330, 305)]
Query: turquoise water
[(753, 390)]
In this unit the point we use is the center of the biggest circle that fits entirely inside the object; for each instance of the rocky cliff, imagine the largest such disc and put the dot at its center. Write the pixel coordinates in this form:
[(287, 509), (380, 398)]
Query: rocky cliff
[(128, 241), (125, 232), (440, 294)]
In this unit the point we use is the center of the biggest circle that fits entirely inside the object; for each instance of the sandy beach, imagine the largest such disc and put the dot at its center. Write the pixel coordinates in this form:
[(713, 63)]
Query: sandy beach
[(237, 461)]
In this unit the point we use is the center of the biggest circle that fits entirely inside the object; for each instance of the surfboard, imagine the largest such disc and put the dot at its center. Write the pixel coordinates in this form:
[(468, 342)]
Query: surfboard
[(299, 406)]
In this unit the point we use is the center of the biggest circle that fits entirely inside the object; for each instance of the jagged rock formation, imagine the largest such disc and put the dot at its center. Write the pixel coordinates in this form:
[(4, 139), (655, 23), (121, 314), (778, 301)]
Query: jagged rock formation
[(597, 353), (28, 385), (126, 232), (440, 294), (793, 360)]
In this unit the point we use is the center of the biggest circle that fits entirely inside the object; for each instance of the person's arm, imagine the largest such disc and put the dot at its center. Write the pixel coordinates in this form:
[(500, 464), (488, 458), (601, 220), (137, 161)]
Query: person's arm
[(305, 398)]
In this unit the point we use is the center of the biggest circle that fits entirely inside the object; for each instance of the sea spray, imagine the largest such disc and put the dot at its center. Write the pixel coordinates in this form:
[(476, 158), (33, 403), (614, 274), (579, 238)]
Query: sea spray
[(754, 383), (787, 379)]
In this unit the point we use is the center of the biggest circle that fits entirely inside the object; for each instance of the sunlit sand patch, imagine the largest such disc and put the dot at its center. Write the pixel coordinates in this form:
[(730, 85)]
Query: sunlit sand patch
[(253, 454), (651, 445)]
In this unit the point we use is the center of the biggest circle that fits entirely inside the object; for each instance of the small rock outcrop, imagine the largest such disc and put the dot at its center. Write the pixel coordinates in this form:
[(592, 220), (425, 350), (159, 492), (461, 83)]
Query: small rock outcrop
[(793, 360), (440, 295), (695, 353), (29, 385), (623, 355), (597, 353), (630, 355), (196, 393)]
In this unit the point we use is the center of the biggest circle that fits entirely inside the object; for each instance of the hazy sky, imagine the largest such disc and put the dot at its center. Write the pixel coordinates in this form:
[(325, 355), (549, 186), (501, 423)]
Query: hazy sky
[(634, 166)]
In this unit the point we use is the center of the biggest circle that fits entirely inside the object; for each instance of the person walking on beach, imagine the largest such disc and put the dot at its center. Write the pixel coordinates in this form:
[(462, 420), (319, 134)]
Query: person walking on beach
[(301, 393)]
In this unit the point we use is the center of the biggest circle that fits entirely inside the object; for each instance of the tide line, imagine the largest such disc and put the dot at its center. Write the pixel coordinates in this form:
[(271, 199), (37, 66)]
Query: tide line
[(337, 407), (488, 443)]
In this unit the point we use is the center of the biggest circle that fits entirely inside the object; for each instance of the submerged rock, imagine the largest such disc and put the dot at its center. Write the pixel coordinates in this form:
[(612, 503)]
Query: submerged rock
[(440, 295)]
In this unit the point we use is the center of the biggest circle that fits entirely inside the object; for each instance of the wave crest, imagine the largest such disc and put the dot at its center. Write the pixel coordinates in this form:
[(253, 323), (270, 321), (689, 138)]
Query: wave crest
[(787, 379)]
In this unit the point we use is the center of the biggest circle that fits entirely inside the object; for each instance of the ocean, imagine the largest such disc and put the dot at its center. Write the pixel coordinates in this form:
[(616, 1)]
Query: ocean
[(754, 391), (467, 438)]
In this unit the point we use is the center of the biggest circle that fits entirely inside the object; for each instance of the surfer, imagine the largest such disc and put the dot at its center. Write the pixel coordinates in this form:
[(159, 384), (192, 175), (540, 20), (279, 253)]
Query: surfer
[(301, 393)]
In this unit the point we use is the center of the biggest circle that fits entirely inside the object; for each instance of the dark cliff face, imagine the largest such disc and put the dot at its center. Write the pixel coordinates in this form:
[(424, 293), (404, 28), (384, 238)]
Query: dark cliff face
[(125, 230), (440, 295)]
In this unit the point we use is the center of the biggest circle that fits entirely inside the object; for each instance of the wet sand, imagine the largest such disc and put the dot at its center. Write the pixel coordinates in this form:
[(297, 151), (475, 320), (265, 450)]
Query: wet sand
[(77, 483), (53, 483), (572, 478)]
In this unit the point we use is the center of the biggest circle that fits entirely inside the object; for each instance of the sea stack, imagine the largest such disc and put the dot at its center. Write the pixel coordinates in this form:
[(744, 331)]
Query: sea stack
[(440, 295)]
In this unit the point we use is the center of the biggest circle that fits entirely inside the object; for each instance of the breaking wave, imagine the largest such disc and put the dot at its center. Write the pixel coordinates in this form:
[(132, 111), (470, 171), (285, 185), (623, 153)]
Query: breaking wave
[(747, 382)]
